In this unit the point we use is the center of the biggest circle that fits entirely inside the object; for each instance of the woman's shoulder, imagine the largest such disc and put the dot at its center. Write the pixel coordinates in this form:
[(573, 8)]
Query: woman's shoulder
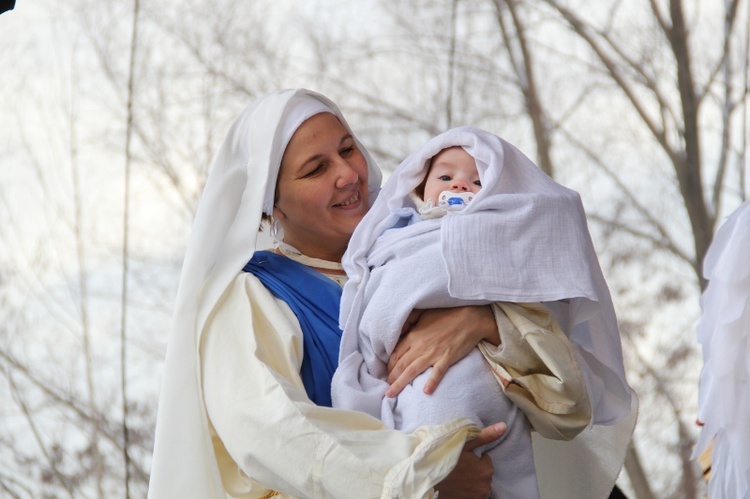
[(245, 288), (248, 303)]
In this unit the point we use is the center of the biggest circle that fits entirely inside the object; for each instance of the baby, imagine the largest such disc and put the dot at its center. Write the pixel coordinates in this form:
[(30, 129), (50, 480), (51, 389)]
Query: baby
[(438, 236), (450, 184)]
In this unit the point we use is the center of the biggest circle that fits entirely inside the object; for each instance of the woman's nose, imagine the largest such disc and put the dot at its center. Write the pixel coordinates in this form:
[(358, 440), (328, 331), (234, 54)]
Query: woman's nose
[(346, 176)]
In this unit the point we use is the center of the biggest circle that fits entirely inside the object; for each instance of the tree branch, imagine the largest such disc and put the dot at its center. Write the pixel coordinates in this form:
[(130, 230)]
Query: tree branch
[(664, 241)]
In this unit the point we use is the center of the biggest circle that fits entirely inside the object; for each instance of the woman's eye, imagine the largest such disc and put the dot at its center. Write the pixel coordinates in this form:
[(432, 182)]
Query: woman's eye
[(445, 178), (346, 151), (315, 171)]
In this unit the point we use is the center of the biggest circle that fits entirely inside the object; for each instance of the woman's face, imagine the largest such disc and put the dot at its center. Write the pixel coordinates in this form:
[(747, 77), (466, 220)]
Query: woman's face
[(322, 188)]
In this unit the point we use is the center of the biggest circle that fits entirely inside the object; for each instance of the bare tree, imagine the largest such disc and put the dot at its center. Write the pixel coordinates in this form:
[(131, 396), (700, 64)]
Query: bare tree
[(674, 118), (645, 115), (521, 59), (602, 88)]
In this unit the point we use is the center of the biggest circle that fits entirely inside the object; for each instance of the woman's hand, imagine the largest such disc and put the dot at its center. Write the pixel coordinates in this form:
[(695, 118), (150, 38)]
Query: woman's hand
[(472, 476), (438, 338)]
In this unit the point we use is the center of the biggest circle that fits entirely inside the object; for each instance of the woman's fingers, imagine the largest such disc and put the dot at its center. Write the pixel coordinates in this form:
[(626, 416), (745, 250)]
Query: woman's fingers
[(438, 371), (399, 358), (488, 435), (413, 354), (404, 374), (436, 338)]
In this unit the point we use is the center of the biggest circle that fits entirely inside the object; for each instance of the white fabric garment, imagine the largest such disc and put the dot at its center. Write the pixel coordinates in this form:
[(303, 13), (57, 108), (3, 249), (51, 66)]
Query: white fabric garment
[(724, 334), (223, 239), (524, 238), (407, 273), (265, 427)]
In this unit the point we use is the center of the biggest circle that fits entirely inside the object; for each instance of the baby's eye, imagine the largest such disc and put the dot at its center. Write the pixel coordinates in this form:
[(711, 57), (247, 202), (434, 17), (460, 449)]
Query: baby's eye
[(445, 178), (478, 182)]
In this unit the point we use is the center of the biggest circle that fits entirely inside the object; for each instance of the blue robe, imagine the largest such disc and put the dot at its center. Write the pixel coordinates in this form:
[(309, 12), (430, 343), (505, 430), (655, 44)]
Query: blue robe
[(315, 300)]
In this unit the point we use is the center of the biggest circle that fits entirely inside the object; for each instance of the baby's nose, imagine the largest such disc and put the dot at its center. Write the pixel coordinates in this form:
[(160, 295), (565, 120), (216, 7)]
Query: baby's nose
[(460, 185)]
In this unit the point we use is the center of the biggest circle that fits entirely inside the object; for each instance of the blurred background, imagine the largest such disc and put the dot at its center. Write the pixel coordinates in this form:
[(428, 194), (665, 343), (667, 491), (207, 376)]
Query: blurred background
[(111, 112)]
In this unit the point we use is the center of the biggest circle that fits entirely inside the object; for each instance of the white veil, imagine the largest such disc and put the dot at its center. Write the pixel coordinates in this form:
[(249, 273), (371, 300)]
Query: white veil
[(724, 334), (238, 191)]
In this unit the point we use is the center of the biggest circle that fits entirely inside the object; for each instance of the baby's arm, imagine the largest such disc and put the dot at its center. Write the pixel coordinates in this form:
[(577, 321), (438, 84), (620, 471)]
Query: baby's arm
[(537, 365)]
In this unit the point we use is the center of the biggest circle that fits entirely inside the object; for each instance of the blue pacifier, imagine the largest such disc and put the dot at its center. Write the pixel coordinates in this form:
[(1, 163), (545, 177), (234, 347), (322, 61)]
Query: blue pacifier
[(454, 201)]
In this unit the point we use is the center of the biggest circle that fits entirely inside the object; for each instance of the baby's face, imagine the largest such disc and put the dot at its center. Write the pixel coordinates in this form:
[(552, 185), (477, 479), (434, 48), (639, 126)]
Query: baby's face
[(454, 170)]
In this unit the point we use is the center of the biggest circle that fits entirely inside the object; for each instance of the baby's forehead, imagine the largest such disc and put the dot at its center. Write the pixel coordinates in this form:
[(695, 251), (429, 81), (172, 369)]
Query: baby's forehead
[(452, 150), (452, 154), (452, 157)]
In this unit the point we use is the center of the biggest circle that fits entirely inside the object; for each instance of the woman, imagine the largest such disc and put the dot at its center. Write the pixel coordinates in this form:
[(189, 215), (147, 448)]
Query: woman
[(235, 401), (242, 410)]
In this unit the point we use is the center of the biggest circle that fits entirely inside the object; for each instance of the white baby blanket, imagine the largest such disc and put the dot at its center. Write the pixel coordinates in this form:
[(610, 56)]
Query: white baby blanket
[(524, 238)]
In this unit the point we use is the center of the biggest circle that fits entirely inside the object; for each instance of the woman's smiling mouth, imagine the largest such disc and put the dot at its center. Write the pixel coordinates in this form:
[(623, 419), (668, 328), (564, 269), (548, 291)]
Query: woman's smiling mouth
[(355, 197)]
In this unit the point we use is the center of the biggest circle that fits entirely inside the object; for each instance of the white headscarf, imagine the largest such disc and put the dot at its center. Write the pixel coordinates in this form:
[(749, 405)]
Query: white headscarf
[(239, 189)]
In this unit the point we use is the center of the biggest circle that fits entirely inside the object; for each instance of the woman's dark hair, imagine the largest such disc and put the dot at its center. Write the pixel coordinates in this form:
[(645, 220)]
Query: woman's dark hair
[(268, 219), (264, 220)]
